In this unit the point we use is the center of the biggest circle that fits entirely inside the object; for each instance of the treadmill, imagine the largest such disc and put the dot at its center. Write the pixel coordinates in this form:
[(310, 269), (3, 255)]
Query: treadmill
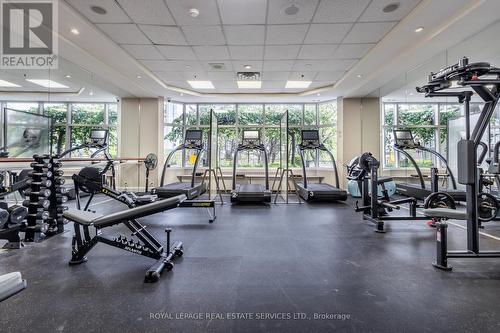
[(317, 191), (192, 140), (404, 141), (251, 193)]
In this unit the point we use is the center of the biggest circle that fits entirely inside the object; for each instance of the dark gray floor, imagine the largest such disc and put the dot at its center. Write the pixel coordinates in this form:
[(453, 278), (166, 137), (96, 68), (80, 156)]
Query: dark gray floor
[(265, 261)]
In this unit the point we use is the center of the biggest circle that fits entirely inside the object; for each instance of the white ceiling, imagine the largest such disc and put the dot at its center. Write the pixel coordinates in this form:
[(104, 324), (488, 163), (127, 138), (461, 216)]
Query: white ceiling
[(324, 40)]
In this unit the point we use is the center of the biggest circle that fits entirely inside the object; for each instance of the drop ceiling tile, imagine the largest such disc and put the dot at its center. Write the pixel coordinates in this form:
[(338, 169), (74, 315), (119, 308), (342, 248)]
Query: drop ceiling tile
[(321, 84), (178, 84), (147, 11), (209, 15), (336, 11), (273, 84), (246, 52), (245, 34), (221, 76), (368, 32), (177, 52), (204, 35), (227, 84), (239, 66), (114, 14), (323, 65), (286, 34), (164, 35), (375, 13), (275, 52), (143, 52), (302, 76), (243, 12), (228, 66), (211, 52), (329, 76), (317, 51), (124, 33), (327, 33), (278, 65), (277, 15), (172, 65), (275, 76), (352, 51)]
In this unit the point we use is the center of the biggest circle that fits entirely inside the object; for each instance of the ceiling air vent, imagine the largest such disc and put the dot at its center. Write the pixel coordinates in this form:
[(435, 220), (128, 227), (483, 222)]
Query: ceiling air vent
[(217, 66), (248, 76)]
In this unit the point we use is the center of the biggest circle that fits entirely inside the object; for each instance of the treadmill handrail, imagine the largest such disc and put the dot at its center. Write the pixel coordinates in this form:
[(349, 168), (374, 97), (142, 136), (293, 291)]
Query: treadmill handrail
[(321, 147), (408, 156), (260, 148), (171, 154), (438, 155)]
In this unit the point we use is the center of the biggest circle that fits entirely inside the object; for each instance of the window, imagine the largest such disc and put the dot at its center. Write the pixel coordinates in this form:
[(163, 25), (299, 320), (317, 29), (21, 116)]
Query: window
[(22, 106), (59, 114), (233, 118)]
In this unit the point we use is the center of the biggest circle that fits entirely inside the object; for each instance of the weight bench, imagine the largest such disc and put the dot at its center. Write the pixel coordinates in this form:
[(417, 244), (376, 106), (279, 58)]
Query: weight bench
[(11, 284), (444, 213), (146, 244)]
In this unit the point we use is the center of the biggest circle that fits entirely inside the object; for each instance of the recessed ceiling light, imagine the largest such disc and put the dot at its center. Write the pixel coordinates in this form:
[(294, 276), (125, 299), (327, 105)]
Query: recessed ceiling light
[(91, 93), (7, 84), (247, 67), (194, 12), (67, 76), (75, 31), (419, 29), (297, 84), (187, 67), (308, 65), (318, 94), (292, 9), (98, 10), (359, 76), (139, 77), (201, 84), (47, 83), (391, 7), (249, 84), (182, 94)]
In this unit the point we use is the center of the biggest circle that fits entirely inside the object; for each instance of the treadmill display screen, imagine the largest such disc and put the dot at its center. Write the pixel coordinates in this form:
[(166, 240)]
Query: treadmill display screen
[(403, 138), (98, 136), (251, 135), (310, 135), (194, 135)]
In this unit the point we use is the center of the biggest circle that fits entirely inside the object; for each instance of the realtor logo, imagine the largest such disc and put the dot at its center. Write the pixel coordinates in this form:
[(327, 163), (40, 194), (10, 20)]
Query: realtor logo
[(29, 34)]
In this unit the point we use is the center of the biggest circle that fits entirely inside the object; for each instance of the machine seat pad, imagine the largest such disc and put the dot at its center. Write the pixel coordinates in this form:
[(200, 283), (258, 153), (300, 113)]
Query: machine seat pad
[(445, 213), (101, 221), (81, 216), (11, 284)]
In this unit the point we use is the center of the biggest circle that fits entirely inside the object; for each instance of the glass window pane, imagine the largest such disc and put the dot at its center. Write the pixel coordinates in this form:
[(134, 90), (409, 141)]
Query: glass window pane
[(113, 114), (20, 106), (328, 113), (272, 144), (88, 114), (226, 113), (250, 114), (274, 112), (113, 141), (80, 135), (191, 117), (250, 159), (58, 112), (173, 113), (172, 137), (310, 159), (389, 114), (58, 139), (294, 114), (310, 114), (328, 136), (389, 153), (416, 114), (226, 145)]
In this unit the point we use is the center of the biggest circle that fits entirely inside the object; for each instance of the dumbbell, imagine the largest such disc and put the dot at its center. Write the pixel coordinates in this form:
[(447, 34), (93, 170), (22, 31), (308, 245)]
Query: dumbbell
[(41, 193), (33, 173), (4, 218), (40, 203), (40, 165), (44, 183), (17, 214), (56, 164), (58, 173), (40, 215), (61, 190), (59, 181)]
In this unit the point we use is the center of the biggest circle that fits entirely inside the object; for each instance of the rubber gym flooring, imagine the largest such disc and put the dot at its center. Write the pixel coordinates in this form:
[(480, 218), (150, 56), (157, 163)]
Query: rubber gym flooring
[(319, 263)]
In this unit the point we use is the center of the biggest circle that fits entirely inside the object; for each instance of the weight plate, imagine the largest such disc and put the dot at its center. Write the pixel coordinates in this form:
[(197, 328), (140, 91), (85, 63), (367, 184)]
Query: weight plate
[(487, 207), (440, 200)]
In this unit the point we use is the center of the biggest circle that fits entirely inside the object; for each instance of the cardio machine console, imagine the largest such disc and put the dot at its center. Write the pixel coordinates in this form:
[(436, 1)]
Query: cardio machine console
[(98, 136), (193, 139), (404, 139), (310, 139)]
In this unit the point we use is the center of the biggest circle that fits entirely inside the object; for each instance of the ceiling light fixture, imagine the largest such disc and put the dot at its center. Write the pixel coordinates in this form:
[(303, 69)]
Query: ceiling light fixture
[(194, 12), (249, 84), (419, 29), (187, 67), (98, 10), (247, 67), (75, 31), (7, 84), (297, 84), (318, 94), (67, 76), (293, 9), (201, 84), (359, 76), (47, 83), (139, 77), (391, 7), (91, 93)]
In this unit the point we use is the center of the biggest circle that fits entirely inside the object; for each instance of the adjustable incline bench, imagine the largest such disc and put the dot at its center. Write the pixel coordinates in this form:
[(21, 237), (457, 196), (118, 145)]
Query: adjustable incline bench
[(146, 245)]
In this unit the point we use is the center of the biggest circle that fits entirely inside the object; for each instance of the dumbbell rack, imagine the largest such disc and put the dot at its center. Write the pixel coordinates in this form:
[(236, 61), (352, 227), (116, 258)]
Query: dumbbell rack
[(45, 199)]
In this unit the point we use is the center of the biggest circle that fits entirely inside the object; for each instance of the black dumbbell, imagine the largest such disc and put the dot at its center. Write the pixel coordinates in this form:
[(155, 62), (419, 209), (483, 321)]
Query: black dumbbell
[(44, 183), (40, 203), (41, 193), (17, 214), (4, 218)]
